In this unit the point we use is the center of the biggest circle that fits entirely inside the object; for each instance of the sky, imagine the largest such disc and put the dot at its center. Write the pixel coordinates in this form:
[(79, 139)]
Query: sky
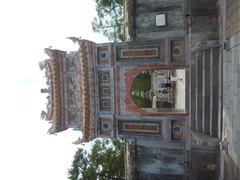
[(27, 152)]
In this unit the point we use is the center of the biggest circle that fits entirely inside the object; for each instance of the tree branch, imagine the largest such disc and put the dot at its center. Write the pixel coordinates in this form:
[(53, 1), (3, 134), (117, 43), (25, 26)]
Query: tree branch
[(109, 177)]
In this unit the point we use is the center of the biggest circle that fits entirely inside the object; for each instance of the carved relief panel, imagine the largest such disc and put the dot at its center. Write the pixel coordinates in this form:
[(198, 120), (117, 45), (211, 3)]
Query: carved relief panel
[(104, 91), (72, 87), (72, 64), (105, 126)]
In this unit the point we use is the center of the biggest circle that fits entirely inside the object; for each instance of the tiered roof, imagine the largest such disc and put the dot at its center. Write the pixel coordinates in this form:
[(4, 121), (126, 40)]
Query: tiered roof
[(86, 74)]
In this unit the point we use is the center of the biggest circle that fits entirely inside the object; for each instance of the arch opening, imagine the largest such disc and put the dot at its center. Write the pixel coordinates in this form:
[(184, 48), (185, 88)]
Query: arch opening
[(160, 90)]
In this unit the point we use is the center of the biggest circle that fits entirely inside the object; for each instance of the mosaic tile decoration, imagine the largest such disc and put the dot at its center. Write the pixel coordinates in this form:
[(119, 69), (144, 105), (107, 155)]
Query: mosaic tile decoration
[(104, 77), (177, 51), (143, 128), (105, 126), (150, 52), (104, 91), (103, 55), (177, 130), (105, 105), (140, 52)]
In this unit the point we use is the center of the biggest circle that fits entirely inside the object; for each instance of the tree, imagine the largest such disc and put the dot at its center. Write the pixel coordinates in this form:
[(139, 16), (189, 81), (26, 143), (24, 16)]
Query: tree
[(109, 20), (106, 161), (141, 83)]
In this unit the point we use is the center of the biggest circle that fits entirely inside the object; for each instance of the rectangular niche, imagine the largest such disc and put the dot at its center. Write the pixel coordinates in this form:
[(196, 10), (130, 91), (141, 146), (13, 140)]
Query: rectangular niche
[(140, 128), (177, 51), (177, 130)]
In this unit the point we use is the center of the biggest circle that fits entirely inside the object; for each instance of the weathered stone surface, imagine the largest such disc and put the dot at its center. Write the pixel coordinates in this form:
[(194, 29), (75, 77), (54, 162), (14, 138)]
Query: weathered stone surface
[(203, 164), (231, 106), (145, 19), (205, 87), (159, 161), (198, 138)]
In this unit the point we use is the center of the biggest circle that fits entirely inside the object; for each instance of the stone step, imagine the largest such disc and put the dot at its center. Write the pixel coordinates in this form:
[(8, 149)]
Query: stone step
[(204, 101)]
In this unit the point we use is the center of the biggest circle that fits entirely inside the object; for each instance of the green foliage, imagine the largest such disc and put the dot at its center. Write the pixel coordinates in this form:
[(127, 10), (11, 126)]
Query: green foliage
[(141, 83), (106, 161), (109, 20), (80, 162), (141, 102)]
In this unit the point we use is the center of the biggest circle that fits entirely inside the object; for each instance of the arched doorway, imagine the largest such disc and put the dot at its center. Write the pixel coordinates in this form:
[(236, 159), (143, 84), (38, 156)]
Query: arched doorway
[(159, 90)]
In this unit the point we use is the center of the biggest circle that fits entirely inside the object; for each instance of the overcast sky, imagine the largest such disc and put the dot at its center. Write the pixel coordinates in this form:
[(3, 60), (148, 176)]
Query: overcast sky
[(26, 28)]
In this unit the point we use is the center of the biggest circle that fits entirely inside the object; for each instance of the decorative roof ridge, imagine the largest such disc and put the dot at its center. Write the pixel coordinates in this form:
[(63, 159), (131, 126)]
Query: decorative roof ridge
[(85, 55), (85, 104), (50, 52), (85, 90), (52, 71)]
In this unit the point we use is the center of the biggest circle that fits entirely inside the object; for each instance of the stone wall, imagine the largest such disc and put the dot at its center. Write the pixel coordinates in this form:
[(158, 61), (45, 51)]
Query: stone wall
[(159, 161), (201, 20), (129, 158), (232, 17), (204, 163), (230, 35), (145, 25), (231, 171), (231, 99)]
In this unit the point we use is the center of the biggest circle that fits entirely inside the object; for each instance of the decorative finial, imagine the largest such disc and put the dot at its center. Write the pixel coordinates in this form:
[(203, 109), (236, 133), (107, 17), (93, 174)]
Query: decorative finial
[(43, 115), (41, 65), (75, 39), (45, 90)]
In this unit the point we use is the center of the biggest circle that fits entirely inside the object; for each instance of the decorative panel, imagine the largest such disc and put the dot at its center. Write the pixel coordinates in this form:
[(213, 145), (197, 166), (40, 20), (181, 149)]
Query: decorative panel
[(72, 98), (105, 126), (71, 66), (141, 52), (103, 55), (105, 104), (140, 127), (104, 91), (177, 130), (177, 50), (148, 52), (104, 77), (73, 117)]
